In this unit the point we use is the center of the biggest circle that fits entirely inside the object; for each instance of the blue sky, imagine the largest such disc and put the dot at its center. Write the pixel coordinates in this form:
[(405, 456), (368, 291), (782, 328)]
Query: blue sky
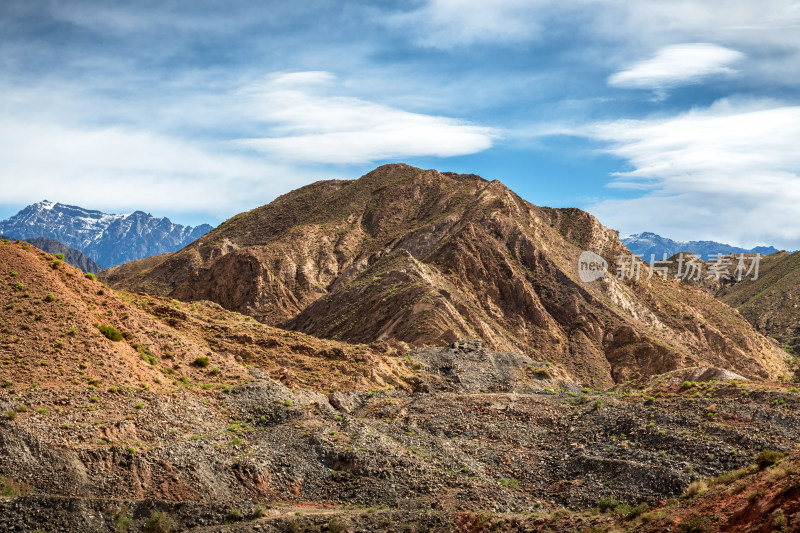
[(679, 117)]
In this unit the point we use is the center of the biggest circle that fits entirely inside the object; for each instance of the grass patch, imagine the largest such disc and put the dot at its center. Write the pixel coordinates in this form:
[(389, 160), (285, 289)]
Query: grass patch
[(110, 332), (767, 458)]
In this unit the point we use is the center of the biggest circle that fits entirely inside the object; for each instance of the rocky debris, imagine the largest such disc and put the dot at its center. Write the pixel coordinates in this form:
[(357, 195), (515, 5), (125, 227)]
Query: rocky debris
[(697, 374), (466, 366), (505, 452), (79, 515)]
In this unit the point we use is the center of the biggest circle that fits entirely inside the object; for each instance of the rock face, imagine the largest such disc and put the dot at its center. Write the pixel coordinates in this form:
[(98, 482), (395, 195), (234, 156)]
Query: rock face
[(71, 255), (107, 239), (429, 258), (645, 244)]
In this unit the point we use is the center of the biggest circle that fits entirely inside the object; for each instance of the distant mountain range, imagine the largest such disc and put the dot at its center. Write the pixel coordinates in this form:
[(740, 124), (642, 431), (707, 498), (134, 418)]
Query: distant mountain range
[(105, 238), (645, 244)]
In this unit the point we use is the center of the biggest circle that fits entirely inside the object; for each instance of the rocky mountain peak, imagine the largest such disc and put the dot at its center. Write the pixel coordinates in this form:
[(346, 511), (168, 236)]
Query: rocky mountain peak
[(428, 258), (107, 239)]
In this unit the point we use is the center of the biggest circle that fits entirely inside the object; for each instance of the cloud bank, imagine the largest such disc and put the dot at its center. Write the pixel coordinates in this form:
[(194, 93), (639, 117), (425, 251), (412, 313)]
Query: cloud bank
[(730, 172)]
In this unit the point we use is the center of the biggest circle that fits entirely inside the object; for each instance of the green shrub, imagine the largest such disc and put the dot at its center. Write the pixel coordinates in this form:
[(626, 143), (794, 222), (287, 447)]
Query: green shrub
[(91, 276), (235, 515), (695, 489), (110, 332), (60, 257), (146, 354), (541, 372), (159, 523), (509, 482), (728, 477), (695, 524), (10, 414), (607, 504), (122, 520), (767, 458), (202, 361), (49, 298), (779, 519), (631, 513), (337, 525)]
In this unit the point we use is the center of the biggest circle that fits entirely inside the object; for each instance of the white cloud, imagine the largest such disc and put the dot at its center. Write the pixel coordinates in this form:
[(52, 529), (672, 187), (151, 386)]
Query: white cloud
[(610, 33), (120, 169), (676, 65), (306, 124), (730, 172)]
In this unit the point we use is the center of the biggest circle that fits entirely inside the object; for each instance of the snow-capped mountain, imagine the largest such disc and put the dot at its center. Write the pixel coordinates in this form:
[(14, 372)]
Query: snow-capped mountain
[(645, 244), (105, 238)]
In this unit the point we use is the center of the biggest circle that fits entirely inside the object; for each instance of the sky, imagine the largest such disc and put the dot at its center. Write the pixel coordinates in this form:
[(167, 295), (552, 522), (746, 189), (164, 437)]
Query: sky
[(676, 117)]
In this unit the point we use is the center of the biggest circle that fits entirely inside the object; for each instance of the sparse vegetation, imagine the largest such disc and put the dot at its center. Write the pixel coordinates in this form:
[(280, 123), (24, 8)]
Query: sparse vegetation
[(695, 524), (159, 522), (695, 489), (767, 458), (11, 489), (509, 482), (607, 504), (110, 332)]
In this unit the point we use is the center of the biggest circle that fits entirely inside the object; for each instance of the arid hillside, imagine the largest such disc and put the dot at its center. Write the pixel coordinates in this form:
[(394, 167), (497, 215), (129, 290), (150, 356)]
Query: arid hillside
[(423, 257), (200, 418), (772, 302)]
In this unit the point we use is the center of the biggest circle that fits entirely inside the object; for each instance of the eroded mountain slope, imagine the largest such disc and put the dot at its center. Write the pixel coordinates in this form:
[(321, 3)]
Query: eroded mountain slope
[(425, 257)]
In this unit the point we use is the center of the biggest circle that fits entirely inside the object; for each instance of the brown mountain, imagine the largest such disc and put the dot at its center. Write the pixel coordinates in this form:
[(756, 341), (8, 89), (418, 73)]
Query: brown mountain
[(427, 257), (50, 336), (770, 302)]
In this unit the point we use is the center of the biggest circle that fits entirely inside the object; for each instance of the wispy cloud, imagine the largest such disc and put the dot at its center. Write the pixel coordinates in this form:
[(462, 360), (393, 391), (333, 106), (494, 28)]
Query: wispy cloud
[(676, 65), (306, 123), (447, 24), (731, 171)]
